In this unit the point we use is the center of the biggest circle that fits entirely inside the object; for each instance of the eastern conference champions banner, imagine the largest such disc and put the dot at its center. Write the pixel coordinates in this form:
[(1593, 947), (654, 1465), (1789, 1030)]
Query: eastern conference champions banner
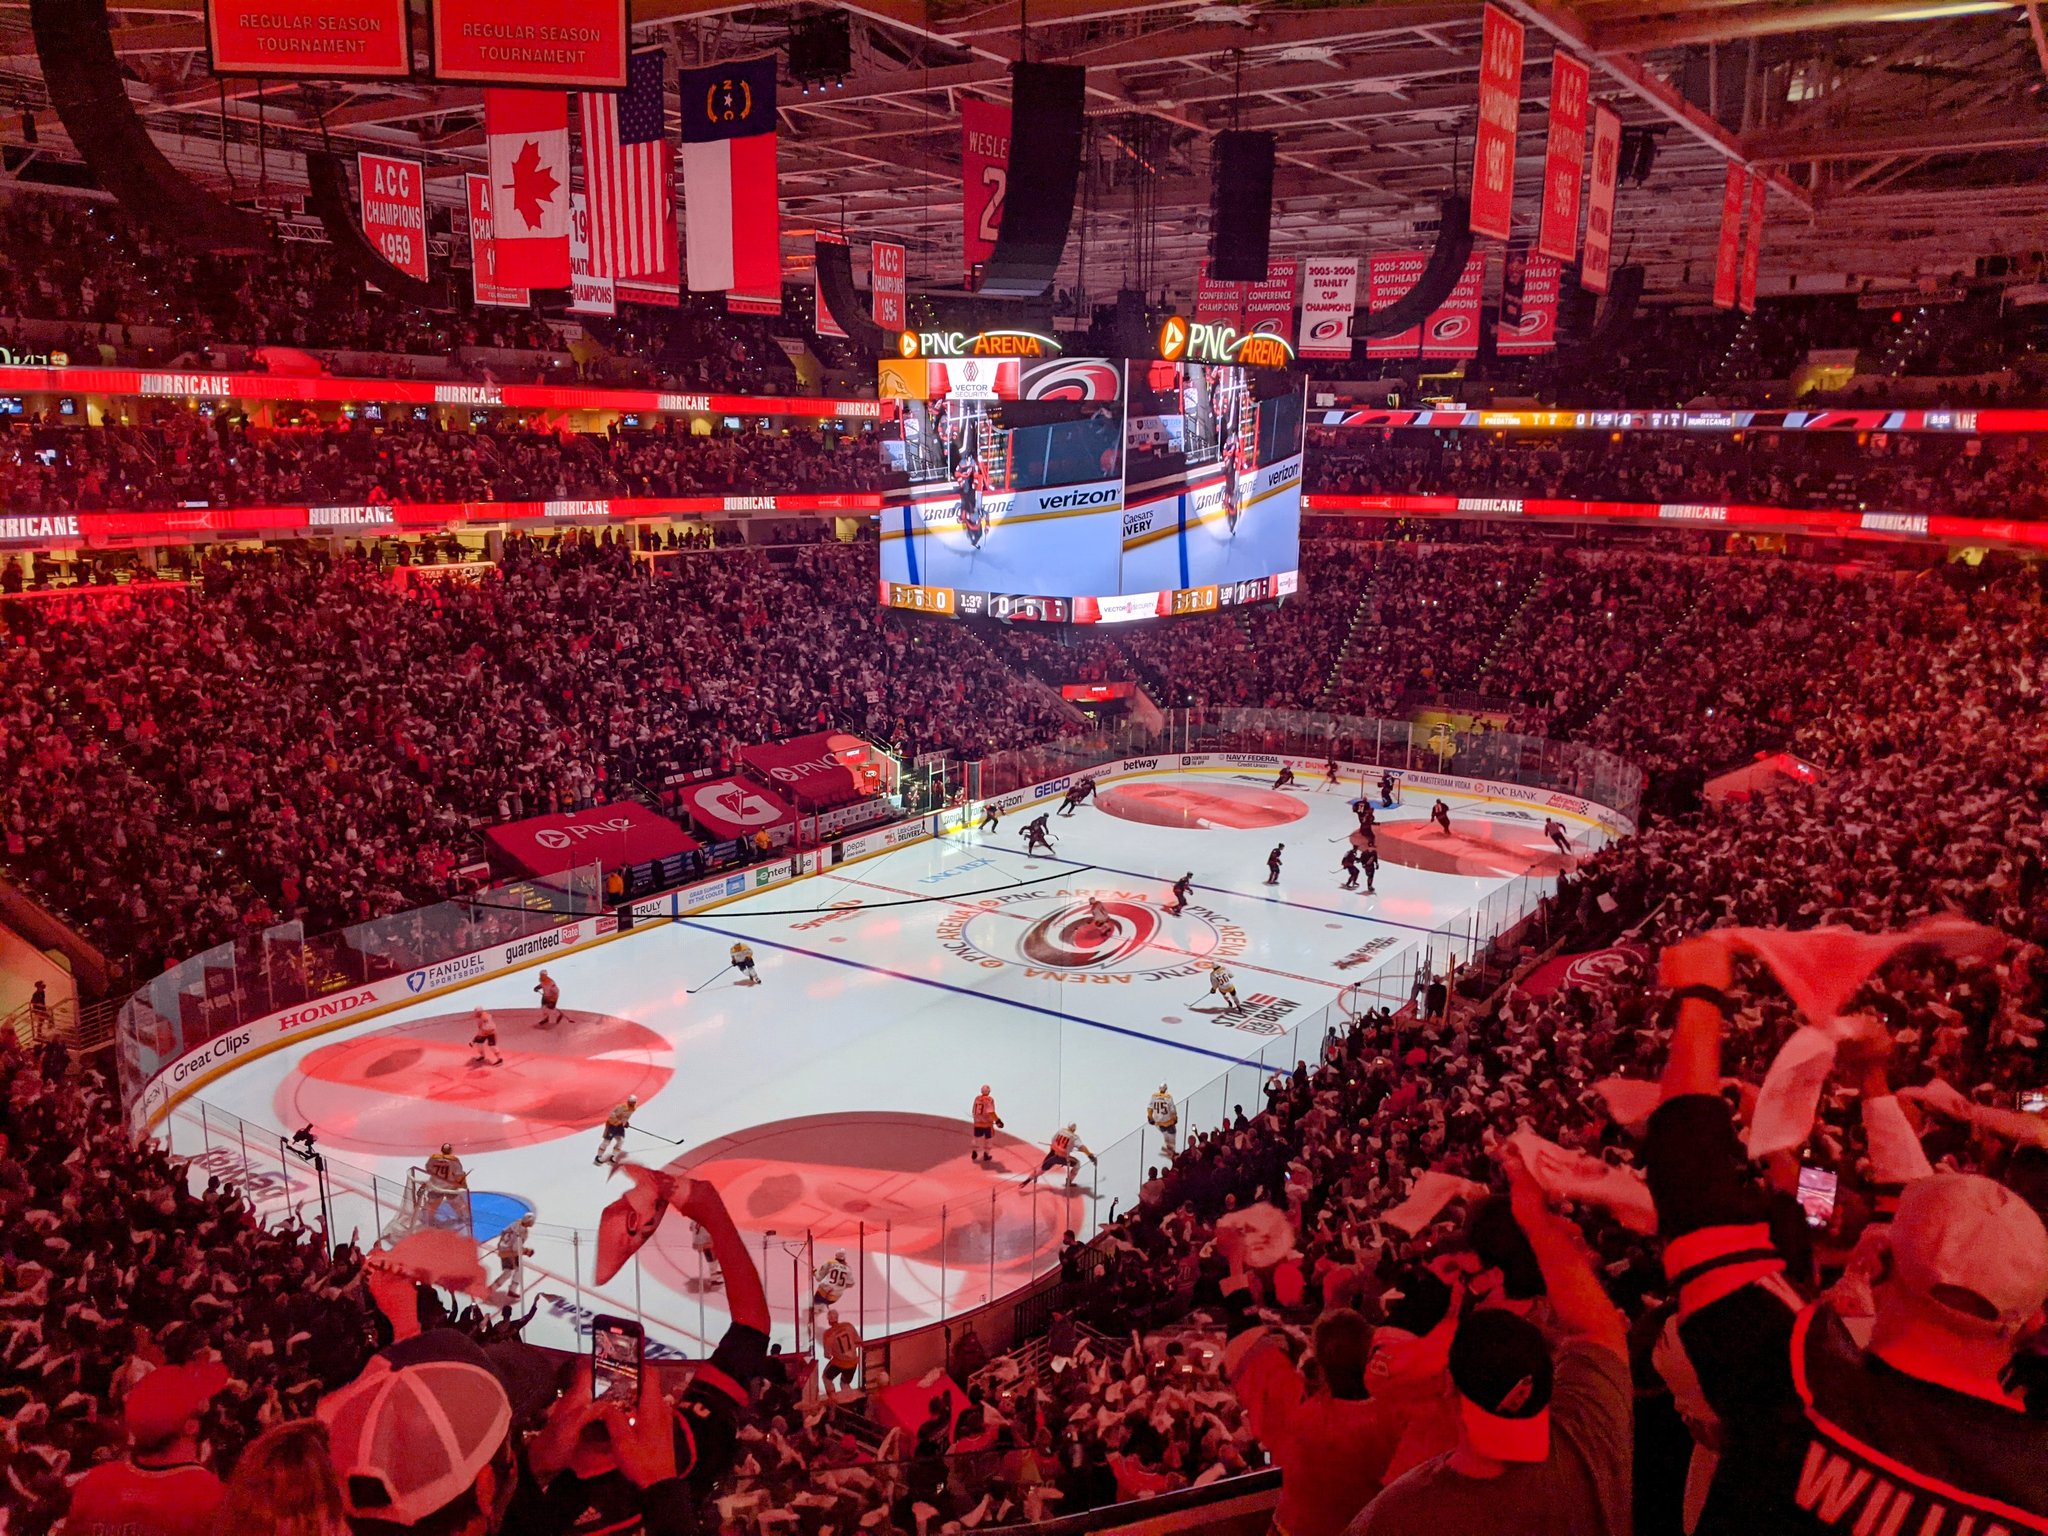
[(1091, 490)]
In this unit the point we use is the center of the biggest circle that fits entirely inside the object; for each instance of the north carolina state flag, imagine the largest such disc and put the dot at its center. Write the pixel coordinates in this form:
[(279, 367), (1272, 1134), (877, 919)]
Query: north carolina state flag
[(732, 232), (529, 138)]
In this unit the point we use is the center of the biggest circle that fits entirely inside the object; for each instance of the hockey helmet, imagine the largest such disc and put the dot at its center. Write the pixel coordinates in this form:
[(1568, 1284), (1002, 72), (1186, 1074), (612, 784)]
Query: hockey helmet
[(984, 1088), (447, 1146)]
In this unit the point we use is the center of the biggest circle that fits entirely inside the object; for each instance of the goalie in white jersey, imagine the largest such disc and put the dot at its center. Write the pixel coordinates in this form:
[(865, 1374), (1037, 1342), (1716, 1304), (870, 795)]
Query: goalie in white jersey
[(1163, 1115)]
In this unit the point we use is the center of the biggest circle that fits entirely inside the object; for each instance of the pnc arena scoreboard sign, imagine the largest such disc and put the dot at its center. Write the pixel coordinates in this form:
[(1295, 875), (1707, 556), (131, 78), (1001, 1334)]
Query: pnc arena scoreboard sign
[(1195, 341), (961, 344)]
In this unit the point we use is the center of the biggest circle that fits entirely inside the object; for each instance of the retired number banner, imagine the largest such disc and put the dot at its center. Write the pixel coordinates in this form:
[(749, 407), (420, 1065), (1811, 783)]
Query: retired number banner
[(984, 178), (1595, 265), (1564, 158), (1500, 113), (561, 44), (309, 39), (394, 206), (1727, 257)]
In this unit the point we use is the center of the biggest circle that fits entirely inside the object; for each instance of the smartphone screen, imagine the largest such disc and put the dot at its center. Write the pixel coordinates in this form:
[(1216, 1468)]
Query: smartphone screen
[(1817, 1188), (2034, 1100), (617, 1346)]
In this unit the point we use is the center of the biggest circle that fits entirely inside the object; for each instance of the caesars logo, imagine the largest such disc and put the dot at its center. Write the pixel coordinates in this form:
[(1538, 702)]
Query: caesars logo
[(1054, 936), (326, 1008)]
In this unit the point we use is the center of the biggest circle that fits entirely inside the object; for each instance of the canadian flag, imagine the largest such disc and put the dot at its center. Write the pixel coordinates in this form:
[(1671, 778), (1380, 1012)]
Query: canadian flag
[(529, 138)]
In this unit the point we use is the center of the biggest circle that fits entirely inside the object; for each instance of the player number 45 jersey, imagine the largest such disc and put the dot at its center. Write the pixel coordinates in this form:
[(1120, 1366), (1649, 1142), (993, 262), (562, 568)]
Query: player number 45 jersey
[(1162, 1111)]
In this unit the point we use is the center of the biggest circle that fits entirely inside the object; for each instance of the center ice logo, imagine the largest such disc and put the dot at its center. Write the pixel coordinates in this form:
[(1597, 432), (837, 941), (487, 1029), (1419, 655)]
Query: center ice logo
[(1053, 936)]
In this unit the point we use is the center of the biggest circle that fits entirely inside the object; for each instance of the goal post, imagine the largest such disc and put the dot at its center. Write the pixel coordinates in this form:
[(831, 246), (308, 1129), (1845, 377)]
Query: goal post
[(431, 1205)]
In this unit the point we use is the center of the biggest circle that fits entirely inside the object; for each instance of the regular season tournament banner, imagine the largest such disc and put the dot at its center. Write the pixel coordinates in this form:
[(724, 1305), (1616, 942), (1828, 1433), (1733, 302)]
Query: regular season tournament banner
[(1453, 330), (1528, 304), (1727, 254), (1329, 294), (323, 39), (1388, 276), (984, 178), (394, 209), (1500, 112), (1599, 255), (485, 288), (566, 44), (1564, 158)]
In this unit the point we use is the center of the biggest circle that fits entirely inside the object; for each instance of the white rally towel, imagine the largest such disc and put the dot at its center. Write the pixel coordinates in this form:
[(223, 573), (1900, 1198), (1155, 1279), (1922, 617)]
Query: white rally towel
[(528, 133), (1570, 1175), (1431, 1193)]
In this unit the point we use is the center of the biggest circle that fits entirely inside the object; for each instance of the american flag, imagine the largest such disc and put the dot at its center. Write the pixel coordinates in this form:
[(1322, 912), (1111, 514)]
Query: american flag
[(628, 178)]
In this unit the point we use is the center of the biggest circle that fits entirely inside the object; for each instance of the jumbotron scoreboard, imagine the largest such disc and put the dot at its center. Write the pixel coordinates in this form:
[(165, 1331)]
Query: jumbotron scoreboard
[(1028, 485)]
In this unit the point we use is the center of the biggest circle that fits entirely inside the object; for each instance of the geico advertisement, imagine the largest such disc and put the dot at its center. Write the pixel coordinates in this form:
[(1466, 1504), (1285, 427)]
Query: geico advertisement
[(1059, 541)]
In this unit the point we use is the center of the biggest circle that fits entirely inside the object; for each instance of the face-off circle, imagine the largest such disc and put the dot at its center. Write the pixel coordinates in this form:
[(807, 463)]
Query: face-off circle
[(1057, 935), (1232, 807), (406, 1088)]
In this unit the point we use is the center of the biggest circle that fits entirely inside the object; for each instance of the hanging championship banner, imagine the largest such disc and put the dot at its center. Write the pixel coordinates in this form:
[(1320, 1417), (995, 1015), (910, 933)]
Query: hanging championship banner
[(1329, 293), (484, 287), (1387, 277), (1528, 304), (1564, 158), (1596, 264), (1727, 260), (393, 196), (1217, 303), (1453, 331), (822, 319), (984, 178), (1752, 249), (309, 39), (588, 294), (886, 287), (1500, 113), (559, 44), (1269, 306)]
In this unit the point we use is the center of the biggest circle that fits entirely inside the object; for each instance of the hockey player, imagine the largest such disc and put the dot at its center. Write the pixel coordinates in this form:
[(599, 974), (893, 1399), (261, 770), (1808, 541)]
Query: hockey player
[(1285, 778), (1362, 808), (614, 1139), (1440, 813), (1273, 864), (1083, 790), (1329, 775), (1182, 889), (1098, 913), (1559, 837), (1224, 984), (742, 957), (511, 1249), (830, 1281), (1163, 1115), (1386, 788), (986, 1123), (485, 1039), (1060, 1154), (1038, 834), (550, 1000), (447, 1184), (1349, 865), (707, 1257), (840, 1346), (1369, 863), (990, 816)]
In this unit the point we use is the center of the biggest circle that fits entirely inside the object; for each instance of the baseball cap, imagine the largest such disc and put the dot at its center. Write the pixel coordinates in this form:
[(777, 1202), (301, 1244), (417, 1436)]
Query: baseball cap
[(1501, 1368), (408, 1442), (530, 1376), (1973, 1247), (169, 1397)]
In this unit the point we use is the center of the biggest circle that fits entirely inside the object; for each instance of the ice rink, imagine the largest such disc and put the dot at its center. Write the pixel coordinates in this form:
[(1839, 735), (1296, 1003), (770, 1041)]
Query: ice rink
[(830, 1102)]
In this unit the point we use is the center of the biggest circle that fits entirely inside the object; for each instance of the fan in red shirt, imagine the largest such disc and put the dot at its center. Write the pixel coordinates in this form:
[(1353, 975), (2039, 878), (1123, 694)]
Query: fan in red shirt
[(159, 1488)]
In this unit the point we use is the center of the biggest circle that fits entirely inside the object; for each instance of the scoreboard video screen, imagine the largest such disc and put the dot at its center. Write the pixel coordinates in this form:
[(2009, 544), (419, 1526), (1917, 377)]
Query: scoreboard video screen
[(1090, 490)]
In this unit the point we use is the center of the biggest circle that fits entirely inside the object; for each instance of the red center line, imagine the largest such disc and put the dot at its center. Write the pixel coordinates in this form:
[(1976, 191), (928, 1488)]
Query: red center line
[(1242, 965)]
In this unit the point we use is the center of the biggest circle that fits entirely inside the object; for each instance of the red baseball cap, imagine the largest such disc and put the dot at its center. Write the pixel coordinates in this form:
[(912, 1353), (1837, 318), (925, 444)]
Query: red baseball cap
[(161, 1404)]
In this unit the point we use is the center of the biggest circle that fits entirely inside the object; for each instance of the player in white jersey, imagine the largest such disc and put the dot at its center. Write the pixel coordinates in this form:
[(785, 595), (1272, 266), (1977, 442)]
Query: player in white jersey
[(511, 1249), (1060, 1154), (1224, 984), (612, 1144), (742, 957), (550, 1000), (830, 1281), (1163, 1115), (986, 1123), (485, 1039)]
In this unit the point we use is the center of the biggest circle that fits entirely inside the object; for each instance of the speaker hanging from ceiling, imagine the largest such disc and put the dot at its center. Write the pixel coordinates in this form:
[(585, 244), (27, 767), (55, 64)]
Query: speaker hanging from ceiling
[(844, 302), (1440, 275), (1045, 170), (75, 43), (1624, 293), (328, 200), (1241, 208)]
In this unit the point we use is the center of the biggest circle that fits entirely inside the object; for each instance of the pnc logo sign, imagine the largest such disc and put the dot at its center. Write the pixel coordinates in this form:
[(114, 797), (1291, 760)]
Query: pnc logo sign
[(1197, 342)]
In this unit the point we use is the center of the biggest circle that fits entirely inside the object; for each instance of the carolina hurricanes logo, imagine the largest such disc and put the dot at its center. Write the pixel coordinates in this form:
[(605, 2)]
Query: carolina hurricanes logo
[(1450, 327), (1326, 330), (1081, 379), (1073, 938)]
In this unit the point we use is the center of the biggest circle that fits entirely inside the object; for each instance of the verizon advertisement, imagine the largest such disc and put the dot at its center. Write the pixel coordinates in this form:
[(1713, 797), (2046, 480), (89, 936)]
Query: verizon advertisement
[(563, 44), (1329, 294), (309, 39), (1500, 114), (394, 208)]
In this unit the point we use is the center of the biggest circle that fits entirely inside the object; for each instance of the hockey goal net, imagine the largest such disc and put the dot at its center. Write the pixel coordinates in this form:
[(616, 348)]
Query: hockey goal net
[(430, 1204)]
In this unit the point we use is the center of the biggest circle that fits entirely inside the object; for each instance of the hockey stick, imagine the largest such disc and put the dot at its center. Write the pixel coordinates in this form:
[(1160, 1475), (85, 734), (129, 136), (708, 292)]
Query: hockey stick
[(672, 1141), (693, 991)]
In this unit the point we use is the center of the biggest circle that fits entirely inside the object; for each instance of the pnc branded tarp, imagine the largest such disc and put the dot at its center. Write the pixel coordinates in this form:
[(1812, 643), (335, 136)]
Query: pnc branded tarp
[(611, 835), (818, 771), (731, 808)]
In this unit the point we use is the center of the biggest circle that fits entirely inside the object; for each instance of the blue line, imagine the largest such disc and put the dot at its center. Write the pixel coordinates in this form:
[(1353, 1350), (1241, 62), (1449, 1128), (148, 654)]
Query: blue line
[(909, 546), (946, 986), (1181, 542)]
